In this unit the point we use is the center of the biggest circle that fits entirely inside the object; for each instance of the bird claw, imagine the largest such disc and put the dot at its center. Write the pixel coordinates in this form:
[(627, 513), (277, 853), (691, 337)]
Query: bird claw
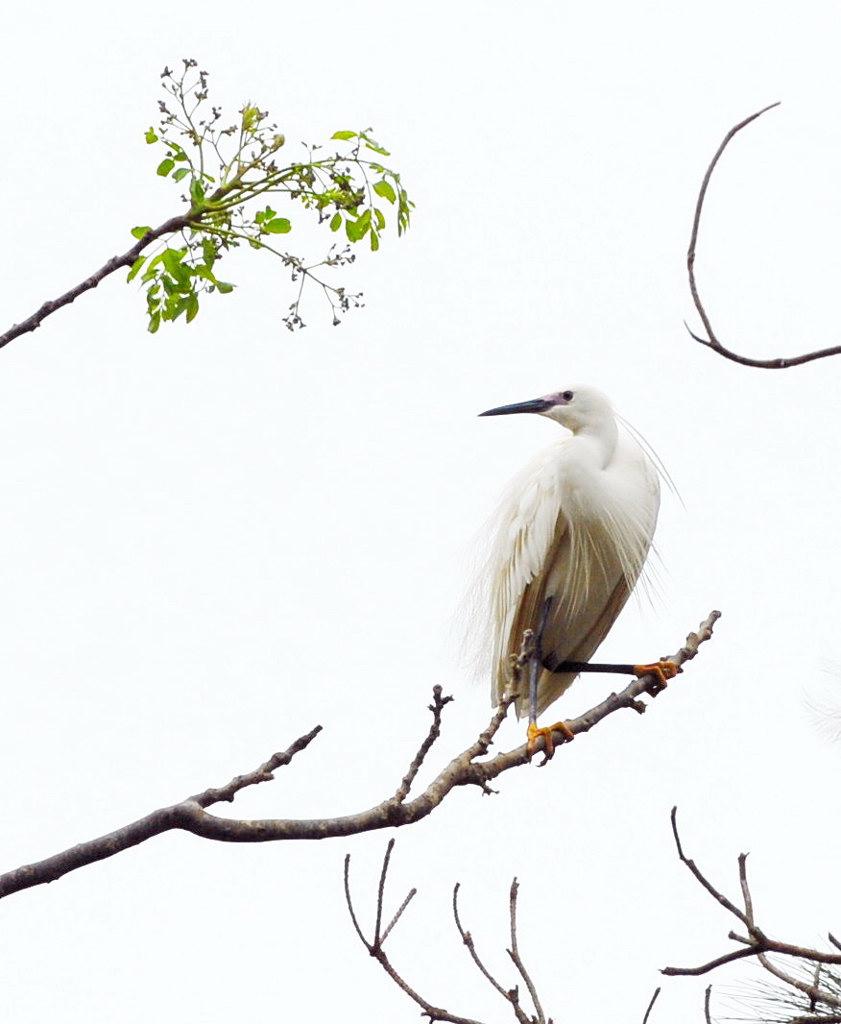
[(534, 733), (662, 671)]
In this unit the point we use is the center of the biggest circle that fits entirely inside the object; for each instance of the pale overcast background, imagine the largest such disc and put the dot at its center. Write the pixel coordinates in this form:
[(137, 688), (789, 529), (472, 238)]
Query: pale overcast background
[(214, 538)]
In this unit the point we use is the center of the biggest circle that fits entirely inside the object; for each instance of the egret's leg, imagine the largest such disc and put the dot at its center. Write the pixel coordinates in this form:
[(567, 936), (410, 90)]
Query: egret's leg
[(536, 663), (535, 668), (661, 670)]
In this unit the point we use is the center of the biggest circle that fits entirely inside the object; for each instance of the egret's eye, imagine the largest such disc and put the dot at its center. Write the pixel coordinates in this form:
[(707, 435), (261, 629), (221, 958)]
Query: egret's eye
[(567, 396)]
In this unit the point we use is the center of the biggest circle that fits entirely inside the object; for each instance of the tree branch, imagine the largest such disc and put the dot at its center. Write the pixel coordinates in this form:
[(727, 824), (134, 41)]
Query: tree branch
[(191, 815), (32, 323), (436, 1013), (711, 341), (756, 942)]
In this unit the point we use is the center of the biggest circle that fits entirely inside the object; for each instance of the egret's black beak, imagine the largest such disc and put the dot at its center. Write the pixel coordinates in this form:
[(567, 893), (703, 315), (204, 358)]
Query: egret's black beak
[(535, 405)]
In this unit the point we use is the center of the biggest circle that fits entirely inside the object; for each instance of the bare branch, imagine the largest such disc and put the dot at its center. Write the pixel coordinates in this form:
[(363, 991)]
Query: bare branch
[(436, 707), (191, 815), (375, 946), (756, 943), (711, 341), (651, 1005), (514, 953), (811, 989), (410, 895), (707, 996), (381, 892), (720, 897), (375, 949), (467, 939)]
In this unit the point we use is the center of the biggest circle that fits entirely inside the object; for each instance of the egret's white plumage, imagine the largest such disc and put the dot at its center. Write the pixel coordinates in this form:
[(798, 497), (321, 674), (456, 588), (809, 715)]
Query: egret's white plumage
[(576, 526)]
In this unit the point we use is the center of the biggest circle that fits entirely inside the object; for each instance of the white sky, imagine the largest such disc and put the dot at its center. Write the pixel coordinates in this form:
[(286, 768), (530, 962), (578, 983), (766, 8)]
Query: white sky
[(216, 537)]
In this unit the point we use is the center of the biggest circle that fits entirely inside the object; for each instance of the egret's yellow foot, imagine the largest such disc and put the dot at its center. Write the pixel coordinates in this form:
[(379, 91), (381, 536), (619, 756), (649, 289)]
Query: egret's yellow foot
[(548, 740), (662, 672)]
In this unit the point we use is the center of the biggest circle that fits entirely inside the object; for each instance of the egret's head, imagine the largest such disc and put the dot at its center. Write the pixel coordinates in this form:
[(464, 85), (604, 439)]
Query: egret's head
[(574, 408)]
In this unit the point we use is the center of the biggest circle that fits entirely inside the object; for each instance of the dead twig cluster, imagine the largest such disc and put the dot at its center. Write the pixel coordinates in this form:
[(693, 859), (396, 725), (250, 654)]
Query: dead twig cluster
[(510, 995), (808, 976)]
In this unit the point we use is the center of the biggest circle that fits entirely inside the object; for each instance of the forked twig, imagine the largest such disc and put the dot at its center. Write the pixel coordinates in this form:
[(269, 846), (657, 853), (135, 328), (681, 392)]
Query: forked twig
[(711, 341), (514, 953), (436, 1013), (756, 942)]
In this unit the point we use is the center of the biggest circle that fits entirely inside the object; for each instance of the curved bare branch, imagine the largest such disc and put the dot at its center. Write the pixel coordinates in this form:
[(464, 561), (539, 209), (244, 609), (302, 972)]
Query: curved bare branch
[(711, 341), (756, 942), (191, 815)]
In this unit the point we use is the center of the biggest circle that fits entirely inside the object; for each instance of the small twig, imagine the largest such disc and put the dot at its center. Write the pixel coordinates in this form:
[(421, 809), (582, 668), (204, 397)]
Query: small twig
[(410, 895), (707, 996), (436, 707), (381, 892), (651, 1005), (349, 904), (696, 872), (514, 953), (711, 341), (467, 939)]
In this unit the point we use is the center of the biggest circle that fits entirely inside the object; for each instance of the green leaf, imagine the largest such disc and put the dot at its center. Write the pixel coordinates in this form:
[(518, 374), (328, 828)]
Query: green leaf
[(343, 135), (263, 215), (205, 273), (379, 216), (165, 166), (355, 229), (384, 189), (135, 268), (154, 322), (335, 222), (192, 306), (172, 260), (151, 137), (138, 233), (373, 144), (182, 172), (375, 241), (224, 287), (277, 226)]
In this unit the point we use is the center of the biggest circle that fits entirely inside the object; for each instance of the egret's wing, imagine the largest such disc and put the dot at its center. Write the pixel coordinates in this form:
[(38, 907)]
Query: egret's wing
[(560, 646), (527, 528)]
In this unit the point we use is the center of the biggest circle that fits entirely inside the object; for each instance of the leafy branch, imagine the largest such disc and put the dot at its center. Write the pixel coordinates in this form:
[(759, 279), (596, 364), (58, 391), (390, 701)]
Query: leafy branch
[(227, 171)]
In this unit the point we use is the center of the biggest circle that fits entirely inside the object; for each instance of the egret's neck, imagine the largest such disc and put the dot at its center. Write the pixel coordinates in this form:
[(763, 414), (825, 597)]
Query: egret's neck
[(602, 435)]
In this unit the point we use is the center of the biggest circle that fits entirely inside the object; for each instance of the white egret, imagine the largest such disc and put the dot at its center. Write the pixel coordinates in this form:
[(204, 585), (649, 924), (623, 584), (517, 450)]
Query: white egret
[(571, 537)]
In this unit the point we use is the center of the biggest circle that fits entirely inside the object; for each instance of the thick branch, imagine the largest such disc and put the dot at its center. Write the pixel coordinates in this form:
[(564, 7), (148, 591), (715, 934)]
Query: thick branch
[(711, 341), (32, 323), (191, 815)]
